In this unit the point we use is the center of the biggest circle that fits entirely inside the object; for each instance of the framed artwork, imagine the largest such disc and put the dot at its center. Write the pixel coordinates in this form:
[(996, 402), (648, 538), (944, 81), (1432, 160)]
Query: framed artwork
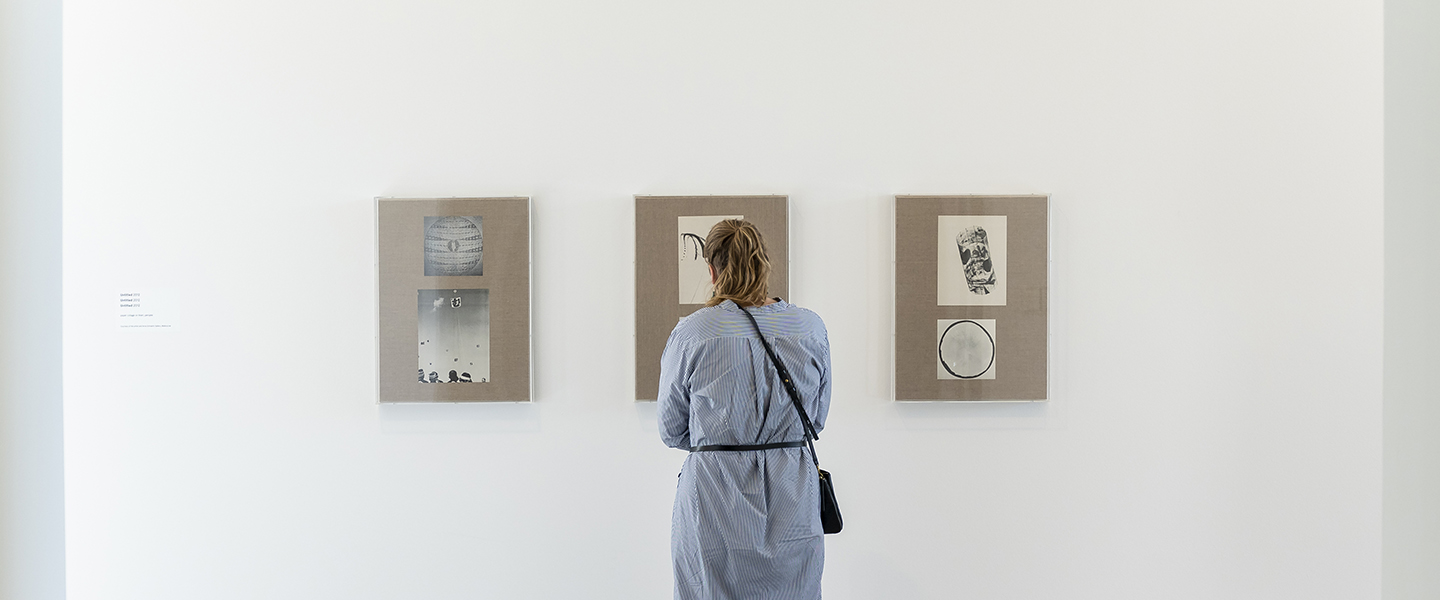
[(453, 298), (672, 279), (972, 298)]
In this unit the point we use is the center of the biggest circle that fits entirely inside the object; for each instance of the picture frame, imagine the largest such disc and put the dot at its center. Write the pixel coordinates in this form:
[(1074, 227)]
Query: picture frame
[(971, 298), (453, 300)]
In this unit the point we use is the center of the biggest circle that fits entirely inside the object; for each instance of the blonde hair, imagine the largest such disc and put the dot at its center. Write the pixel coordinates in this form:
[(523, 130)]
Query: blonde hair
[(736, 250)]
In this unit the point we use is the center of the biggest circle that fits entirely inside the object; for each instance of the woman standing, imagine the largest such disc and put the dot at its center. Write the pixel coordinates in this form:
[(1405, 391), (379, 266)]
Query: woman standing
[(746, 522)]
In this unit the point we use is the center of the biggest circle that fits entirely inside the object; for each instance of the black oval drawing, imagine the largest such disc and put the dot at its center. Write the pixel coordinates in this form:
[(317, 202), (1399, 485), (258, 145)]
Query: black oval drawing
[(940, 348)]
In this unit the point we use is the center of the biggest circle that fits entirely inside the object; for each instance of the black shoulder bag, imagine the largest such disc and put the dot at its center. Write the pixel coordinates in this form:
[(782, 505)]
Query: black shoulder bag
[(829, 508)]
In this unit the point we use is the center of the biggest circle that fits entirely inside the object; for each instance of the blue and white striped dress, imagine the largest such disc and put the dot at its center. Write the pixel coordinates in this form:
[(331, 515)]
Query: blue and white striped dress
[(745, 524)]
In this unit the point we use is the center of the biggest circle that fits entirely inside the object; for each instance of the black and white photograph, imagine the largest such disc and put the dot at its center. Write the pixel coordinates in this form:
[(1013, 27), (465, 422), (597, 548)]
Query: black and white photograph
[(454, 246), (970, 267), (695, 287), (965, 349), (454, 340)]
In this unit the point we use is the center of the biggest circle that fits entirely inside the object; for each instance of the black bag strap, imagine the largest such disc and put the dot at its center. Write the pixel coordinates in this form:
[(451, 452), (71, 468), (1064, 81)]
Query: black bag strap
[(789, 387)]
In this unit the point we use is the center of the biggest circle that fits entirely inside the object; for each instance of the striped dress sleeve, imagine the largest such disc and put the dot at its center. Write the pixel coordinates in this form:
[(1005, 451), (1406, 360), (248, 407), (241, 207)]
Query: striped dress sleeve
[(673, 399)]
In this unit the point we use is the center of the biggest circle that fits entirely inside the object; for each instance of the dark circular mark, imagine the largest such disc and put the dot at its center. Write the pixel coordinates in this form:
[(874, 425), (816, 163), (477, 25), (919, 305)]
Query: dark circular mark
[(940, 349)]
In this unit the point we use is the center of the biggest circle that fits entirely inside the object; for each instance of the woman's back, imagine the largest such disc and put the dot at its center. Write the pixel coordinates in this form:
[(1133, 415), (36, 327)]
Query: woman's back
[(716, 363), (746, 523)]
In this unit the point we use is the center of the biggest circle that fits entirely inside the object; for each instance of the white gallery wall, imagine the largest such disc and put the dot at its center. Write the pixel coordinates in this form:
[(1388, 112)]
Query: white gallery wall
[(1215, 171)]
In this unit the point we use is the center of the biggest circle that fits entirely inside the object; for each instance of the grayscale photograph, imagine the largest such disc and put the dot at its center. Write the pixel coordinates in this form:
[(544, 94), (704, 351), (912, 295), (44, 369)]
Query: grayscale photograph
[(454, 340), (970, 267), (694, 272), (454, 246), (965, 349)]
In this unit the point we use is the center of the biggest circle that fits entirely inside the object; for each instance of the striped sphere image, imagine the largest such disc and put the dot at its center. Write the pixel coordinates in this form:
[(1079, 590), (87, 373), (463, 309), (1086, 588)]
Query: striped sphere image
[(453, 246)]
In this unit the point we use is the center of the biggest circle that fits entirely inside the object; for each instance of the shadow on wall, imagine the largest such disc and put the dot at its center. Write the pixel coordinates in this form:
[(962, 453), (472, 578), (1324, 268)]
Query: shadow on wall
[(960, 416), (459, 418)]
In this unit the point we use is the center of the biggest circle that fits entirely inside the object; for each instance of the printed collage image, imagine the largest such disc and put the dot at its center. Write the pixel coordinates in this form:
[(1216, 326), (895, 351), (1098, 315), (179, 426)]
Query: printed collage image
[(454, 324)]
